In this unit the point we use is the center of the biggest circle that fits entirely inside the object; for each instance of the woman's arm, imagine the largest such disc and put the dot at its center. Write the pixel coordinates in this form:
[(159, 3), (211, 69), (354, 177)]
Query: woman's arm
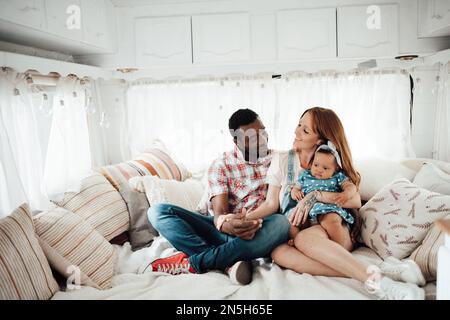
[(353, 202), (269, 206)]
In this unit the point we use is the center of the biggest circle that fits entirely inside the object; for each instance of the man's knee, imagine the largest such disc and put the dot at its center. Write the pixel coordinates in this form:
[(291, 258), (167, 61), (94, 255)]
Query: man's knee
[(155, 213), (277, 227)]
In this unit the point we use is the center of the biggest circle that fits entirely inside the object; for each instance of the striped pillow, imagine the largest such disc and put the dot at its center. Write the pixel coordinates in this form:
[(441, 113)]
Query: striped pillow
[(24, 270), (426, 254), (154, 161), (74, 248), (99, 204)]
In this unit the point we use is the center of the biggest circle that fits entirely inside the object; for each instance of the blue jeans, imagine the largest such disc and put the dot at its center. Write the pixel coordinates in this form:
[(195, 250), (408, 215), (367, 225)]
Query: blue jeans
[(210, 249)]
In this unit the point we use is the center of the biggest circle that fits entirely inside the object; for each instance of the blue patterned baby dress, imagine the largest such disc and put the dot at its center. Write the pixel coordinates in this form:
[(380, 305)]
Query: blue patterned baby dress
[(309, 183)]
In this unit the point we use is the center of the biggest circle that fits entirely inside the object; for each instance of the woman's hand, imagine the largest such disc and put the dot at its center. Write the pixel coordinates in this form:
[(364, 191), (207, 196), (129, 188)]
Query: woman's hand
[(341, 198)]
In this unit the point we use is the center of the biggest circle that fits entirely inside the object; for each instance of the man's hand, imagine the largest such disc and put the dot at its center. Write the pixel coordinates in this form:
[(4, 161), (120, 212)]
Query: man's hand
[(237, 225)]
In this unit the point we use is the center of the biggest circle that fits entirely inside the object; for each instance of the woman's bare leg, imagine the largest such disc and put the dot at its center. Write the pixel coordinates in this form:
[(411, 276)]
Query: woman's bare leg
[(314, 243), (332, 223), (289, 257)]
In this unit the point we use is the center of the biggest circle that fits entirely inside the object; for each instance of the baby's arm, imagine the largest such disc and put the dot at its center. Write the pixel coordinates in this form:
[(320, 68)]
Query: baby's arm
[(296, 193)]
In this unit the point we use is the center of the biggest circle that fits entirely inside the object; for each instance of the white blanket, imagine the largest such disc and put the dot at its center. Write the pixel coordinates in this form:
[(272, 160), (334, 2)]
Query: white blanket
[(269, 281)]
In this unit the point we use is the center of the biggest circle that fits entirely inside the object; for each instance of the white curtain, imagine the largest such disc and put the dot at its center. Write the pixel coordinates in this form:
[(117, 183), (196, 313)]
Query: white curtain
[(191, 118), (68, 157), (97, 124), (21, 167), (442, 128), (374, 107)]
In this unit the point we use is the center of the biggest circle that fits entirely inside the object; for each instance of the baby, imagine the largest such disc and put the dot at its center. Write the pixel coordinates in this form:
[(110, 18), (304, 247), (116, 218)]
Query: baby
[(326, 174)]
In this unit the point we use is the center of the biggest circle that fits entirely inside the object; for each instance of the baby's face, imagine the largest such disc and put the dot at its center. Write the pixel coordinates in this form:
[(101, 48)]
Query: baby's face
[(324, 165)]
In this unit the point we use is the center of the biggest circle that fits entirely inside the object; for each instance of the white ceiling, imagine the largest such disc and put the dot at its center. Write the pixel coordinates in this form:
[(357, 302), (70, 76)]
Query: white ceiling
[(134, 3)]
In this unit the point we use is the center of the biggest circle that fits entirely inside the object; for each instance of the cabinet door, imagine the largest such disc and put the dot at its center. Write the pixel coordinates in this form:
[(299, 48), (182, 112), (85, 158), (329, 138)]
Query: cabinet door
[(163, 41), (95, 23), (367, 31), (221, 38), (306, 34), (64, 18), (434, 18), (30, 13)]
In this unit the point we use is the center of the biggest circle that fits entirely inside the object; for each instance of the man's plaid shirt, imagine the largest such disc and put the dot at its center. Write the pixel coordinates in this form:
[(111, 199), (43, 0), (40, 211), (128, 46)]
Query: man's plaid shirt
[(243, 181)]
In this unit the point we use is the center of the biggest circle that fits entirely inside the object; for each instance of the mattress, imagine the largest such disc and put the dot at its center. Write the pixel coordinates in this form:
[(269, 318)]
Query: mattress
[(269, 281)]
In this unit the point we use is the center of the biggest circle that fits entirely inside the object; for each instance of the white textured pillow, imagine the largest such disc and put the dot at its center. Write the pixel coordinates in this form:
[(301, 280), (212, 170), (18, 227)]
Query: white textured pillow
[(376, 173), (432, 178), (185, 194), (398, 217)]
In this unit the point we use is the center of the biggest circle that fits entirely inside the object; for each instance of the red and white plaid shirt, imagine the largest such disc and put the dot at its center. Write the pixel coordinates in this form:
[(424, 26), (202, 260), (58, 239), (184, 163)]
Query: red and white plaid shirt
[(243, 181)]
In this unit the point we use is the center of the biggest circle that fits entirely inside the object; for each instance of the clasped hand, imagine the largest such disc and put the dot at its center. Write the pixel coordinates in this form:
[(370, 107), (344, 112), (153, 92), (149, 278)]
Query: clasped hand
[(237, 225)]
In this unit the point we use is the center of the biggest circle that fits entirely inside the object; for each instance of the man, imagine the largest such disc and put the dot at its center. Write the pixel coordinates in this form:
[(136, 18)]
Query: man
[(227, 240)]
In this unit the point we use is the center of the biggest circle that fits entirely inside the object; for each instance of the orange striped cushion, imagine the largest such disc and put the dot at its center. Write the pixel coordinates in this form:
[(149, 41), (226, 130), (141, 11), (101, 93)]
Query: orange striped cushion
[(24, 270), (74, 248), (99, 204), (154, 161)]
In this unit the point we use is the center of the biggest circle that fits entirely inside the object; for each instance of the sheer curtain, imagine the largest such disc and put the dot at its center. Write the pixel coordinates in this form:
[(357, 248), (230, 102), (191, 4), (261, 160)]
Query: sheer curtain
[(374, 107), (191, 118), (97, 125), (21, 156), (68, 157), (442, 128)]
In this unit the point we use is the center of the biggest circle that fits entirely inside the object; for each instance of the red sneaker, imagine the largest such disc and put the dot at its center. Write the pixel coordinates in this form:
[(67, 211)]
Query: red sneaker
[(176, 264)]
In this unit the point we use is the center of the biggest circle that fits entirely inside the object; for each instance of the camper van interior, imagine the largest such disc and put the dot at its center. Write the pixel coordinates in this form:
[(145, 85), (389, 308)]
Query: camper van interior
[(225, 149)]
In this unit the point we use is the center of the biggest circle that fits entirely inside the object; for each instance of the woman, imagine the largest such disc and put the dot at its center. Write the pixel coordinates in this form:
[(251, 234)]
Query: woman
[(313, 251)]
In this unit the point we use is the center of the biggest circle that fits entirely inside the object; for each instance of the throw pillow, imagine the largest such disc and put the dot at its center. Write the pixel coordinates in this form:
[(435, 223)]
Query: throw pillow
[(186, 194), (24, 271), (155, 161), (376, 173), (398, 217), (74, 248), (100, 205), (426, 254), (432, 178)]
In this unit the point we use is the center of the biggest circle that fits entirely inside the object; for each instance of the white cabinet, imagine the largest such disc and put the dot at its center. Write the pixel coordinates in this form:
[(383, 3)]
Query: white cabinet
[(163, 41), (367, 31), (221, 38), (30, 13), (305, 34), (70, 26), (95, 23), (263, 37), (64, 18), (434, 18)]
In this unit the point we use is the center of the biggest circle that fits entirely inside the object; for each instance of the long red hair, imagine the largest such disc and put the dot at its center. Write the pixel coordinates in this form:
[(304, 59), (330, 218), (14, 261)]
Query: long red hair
[(329, 127)]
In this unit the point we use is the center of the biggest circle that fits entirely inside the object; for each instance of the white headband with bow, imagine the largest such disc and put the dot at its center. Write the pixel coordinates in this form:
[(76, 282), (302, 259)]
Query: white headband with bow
[(332, 148)]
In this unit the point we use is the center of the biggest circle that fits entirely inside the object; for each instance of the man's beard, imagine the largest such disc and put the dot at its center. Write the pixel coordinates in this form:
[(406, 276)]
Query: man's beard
[(254, 153)]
